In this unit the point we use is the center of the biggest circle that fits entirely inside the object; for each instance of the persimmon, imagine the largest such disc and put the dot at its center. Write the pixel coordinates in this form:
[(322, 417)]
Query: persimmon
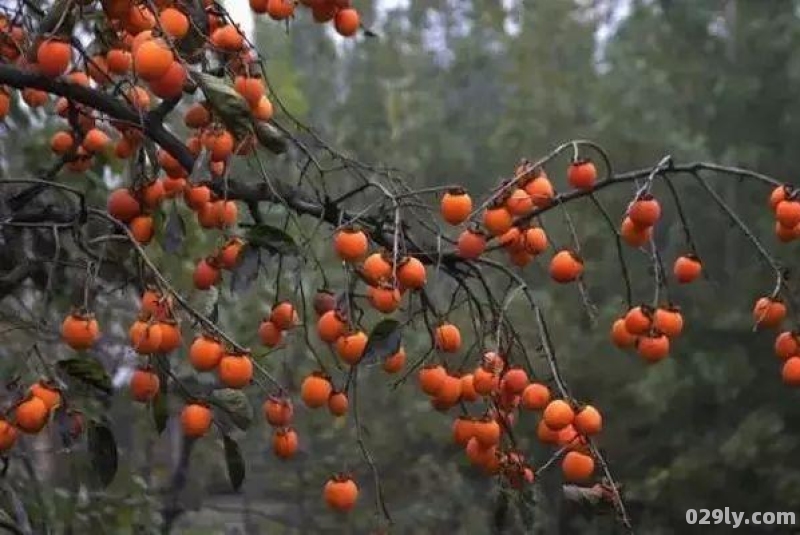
[(96, 140), (280, 9), (449, 393), (645, 211), (350, 347), (534, 240), (323, 12), (447, 338), (171, 337), (485, 380), (395, 363), (634, 235), (540, 190), (519, 202), (769, 312), (171, 83), (511, 239), (463, 430), (197, 116), (566, 266), (31, 415), (235, 371), (119, 61), (53, 57), (558, 414), (324, 301), (456, 206), (263, 110), (153, 193), (515, 380), (790, 373), (487, 432), (468, 393), (780, 193), (340, 493), (195, 420), (152, 59), (483, 457), (228, 256), (535, 397), (545, 434), (569, 438), (687, 269), (582, 174), (786, 234), (315, 390), (284, 442), (284, 316), (47, 392), (227, 38), (206, 274), (620, 335), (788, 213), (80, 331), (376, 267), (139, 97), (269, 334), (330, 326), (278, 411), (61, 142), (174, 22), (173, 186), (497, 220), (142, 229), (588, 421), (197, 196), (123, 205), (144, 384), (338, 403), (384, 298), (350, 244), (787, 344), (205, 353), (432, 378), (668, 320), (34, 98), (259, 6), (471, 244), (411, 273), (346, 22), (145, 337), (577, 466), (639, 319), (653, 347), (8, 435)]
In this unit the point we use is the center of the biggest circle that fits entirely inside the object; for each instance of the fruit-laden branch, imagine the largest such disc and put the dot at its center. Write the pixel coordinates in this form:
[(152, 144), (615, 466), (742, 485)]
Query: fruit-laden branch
[(151, 123)]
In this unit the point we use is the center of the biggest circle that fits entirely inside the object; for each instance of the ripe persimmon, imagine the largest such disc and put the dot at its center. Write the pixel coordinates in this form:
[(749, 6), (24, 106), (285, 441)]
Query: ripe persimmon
[(153, 193), (463, 430), (535, 397), (471, 244), (331, 326), (340, 493), (61, 142), (171, 337), (269, 334), (350, 347), (96, 140), (447, 338), (142, 229), (566, 266), (668, 320), (205, 353), (284, 442), (639, 319), (449, 393), (53, 57), (558, 414), (171, 83), (687, 268), (145, 337), (235, 371), (280, 9), (278, 411), (263, 110), (468, 392), (144, 384), (787, 344), (497, 220), (790, 373), (395, 363), (577, 466), (47, 392), (514, 380), (228, 256), (8, 435), (483, 457), (534, 240), (174, 22), (119, 61), (206, 274), (80, 331), (653, 347), (350, 244), (487, 432), (384, 298), (227, 38), (519, 202), (152, 59), (588, 421), (411, 273), (645, 211), (787, 213), (31, 415), (485, 380), (315, 390), (620, 335), (347, 21), (195, 420), (284, 316), (545, 434), (377, 267), (540, 190), (634, 235), (338, 403), (431, 378), (582, 174), (456, 205), (769, 312), (123, 205)]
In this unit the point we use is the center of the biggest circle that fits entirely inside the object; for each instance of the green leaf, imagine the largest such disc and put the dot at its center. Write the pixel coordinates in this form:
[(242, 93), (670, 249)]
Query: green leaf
[(235, 404), (271, 238), (103, 452), (269, 137), (384, 341), (229, 105), (89, 371), (234, 461)]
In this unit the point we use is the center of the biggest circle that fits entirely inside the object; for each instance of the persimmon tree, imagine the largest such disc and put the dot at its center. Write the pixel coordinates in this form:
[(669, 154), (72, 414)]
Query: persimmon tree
[(175, 90)]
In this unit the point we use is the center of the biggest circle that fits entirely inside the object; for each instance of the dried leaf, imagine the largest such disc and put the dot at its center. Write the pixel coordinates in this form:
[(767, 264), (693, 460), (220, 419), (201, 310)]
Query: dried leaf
[(384, 341), (235, 404), (89, 371)]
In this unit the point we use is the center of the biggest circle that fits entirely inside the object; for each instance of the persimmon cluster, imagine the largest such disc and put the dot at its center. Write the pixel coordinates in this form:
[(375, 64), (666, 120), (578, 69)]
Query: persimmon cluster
[(345, 17)]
